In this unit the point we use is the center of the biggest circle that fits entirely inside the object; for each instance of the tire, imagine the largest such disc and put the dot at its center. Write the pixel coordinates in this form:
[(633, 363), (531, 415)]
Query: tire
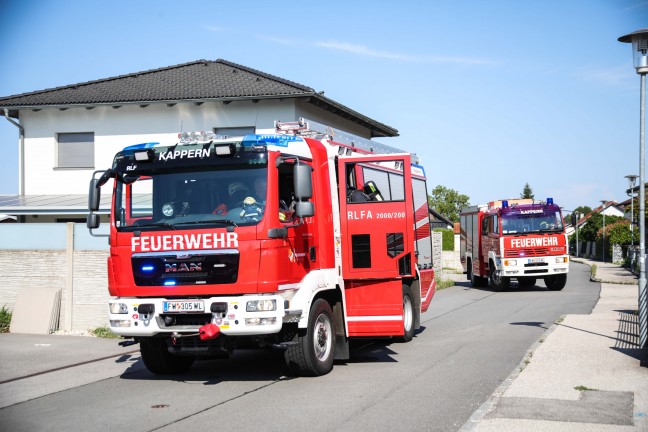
[(496, 280), (314, 351), (475, 281), (158, 359), (556, 282), (408, 315), (526, 282), (470, 275)]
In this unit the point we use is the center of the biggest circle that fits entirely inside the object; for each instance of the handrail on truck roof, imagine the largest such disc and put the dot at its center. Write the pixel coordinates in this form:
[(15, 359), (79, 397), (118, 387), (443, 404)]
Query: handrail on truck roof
[(313, 129)]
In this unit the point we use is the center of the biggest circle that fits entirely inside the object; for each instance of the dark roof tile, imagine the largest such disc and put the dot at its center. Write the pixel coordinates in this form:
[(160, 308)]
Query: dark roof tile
[(198, 80)]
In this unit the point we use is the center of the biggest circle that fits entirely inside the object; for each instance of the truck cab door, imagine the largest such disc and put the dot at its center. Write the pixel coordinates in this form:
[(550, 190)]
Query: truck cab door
[(377, 220)]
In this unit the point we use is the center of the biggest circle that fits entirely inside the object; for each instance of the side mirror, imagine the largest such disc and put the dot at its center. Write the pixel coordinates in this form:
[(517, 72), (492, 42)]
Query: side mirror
[(303, 181), (94, 195), (304, 209), (93, 221)]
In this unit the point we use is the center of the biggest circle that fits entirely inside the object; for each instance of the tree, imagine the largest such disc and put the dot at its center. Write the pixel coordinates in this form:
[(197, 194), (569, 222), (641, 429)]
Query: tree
[(635, 207), (593, 228), (584, 210), (448, 202), (617, 232), (527, 192)]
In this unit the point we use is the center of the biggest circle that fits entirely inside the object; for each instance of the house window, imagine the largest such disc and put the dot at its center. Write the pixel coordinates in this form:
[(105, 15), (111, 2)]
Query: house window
[(235, 131), (75, 150)]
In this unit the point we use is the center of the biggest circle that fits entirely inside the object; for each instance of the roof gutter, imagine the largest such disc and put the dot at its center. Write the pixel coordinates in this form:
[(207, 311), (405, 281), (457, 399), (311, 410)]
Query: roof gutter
[(21, 153)]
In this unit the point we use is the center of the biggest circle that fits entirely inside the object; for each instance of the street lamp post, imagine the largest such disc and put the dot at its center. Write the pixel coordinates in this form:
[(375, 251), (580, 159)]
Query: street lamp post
[(631, 182), (603, 202), (577, 218), (639, 41)]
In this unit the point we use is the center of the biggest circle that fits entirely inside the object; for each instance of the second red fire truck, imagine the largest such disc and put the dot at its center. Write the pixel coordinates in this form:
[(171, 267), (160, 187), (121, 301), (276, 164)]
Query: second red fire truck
[(298, 241), (514, 239)]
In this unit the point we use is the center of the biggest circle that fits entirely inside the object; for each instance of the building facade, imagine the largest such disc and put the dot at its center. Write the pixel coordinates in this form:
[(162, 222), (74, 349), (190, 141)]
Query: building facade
[(67, 133)]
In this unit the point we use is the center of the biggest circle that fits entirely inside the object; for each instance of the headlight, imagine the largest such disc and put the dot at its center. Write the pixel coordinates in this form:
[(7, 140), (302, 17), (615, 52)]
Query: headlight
[(118, 308), (510, 262), (261, 305), (561, 260)]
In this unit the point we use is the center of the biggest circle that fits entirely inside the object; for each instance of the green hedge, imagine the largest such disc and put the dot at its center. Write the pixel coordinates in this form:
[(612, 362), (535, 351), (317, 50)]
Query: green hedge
[(448, 238)]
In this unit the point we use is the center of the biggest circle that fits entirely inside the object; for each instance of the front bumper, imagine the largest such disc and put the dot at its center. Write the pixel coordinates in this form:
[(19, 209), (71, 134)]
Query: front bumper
[(534, 267), (147, 316)]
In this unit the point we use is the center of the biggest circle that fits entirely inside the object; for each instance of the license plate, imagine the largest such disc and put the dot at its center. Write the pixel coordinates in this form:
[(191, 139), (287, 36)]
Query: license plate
[(184, 306), (536, 260)]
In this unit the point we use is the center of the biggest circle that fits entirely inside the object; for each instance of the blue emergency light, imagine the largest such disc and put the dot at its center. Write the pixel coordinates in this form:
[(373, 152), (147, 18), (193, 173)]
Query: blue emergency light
[(142, 146), (505, 204), (277, 140), (549, 201)]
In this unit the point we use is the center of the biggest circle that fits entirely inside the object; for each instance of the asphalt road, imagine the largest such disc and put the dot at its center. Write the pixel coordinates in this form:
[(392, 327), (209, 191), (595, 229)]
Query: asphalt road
[(471, 341)]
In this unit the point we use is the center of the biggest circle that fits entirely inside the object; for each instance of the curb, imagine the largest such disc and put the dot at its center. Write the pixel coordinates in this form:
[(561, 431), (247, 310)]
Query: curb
[(596, 279)]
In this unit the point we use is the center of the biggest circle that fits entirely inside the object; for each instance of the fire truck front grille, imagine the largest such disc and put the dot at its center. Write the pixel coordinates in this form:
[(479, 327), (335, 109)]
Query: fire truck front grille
[(179, 320), (517, 253), (539, 271), (186, 268)]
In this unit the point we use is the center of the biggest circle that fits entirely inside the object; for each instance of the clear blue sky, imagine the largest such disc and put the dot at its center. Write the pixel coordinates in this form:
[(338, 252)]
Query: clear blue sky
[(491, 94)]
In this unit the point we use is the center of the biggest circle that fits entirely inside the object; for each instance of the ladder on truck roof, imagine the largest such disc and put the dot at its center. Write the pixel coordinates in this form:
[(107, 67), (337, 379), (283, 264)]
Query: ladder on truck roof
[(312, 129)]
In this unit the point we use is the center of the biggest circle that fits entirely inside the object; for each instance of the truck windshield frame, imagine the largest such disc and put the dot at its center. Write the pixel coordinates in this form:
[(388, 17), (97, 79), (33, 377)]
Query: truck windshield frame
[(202, 190), (535, 219)]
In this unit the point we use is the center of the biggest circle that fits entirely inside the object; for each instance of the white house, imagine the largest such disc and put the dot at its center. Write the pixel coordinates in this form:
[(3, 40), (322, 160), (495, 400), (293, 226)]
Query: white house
[(610, 208), (66, 133)]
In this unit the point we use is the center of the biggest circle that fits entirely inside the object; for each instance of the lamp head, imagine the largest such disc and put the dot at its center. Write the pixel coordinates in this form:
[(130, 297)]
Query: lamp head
[(639, 41)]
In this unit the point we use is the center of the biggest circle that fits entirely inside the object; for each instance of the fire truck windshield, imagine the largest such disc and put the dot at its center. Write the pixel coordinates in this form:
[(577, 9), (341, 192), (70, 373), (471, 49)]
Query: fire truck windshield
[(536, 219), (175, 199)]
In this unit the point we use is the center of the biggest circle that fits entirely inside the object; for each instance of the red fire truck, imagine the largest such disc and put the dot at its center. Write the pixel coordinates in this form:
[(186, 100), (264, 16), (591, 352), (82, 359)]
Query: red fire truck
[(298, 240), (514, 239)]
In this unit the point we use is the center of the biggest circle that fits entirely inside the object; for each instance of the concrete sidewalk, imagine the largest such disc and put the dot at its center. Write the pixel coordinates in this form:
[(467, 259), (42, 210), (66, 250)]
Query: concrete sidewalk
[(584, 374)]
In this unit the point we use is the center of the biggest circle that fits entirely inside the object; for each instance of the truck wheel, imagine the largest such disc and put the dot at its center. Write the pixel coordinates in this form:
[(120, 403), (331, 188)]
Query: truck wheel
[(470, 275), (556, 282), (475, 281), (313, 353), (497, 281), (160, 361), (526, 282), (408, 315)]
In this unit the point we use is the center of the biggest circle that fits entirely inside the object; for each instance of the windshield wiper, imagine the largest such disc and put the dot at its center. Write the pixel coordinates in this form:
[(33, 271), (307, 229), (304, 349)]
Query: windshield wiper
[(136, 227), (545, 230), (223, 221), (159, 224)]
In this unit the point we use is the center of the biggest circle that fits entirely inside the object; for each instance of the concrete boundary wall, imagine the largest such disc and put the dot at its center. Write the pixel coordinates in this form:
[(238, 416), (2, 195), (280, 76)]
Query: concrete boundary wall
[(62, 256)]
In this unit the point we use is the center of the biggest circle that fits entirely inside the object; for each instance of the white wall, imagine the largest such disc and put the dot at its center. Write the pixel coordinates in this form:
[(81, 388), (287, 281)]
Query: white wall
[(612, 211), (115, 129)]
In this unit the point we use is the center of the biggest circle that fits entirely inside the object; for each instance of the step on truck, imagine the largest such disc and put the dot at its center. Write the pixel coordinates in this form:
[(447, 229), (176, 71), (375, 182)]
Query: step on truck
[(299, 240), (517, 239)]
